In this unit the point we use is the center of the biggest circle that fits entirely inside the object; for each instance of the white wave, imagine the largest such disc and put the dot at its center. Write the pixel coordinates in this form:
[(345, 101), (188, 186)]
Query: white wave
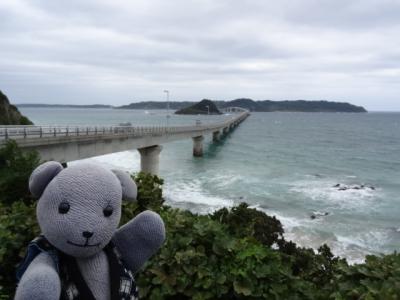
[(192, 193), (353, 247), (308, 233), (287, 222), (344, 247), (226, 180), (311, 238), (357, 246), (372, 241), (318, 213), (341, 246), (256, 206), (128, 161)]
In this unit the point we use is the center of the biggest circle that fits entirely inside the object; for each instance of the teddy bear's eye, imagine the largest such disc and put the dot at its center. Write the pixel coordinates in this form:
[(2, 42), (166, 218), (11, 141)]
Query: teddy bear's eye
[(63, 208), (108, 211)]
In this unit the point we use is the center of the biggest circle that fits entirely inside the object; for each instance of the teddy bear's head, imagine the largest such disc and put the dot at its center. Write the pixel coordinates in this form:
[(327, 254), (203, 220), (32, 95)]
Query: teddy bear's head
[(79, 207)]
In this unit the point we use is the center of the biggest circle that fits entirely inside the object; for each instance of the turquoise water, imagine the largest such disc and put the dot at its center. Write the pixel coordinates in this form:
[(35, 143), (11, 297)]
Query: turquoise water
[(285, 164)]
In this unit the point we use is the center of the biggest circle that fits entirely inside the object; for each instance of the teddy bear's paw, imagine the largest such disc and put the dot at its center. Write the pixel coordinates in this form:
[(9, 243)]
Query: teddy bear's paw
[(140, 238), (40, 281)]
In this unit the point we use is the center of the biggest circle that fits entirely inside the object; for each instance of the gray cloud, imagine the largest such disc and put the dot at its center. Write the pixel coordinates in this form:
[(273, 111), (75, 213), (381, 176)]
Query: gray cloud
[(100, 51)]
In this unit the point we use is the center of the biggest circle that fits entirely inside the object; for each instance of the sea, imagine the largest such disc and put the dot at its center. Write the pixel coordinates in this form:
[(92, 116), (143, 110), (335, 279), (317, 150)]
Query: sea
[(330, 178)]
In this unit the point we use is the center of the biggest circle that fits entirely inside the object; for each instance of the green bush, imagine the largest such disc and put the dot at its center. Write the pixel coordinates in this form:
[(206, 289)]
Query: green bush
[(244, 221), (149, 196), (202, 260), (377, 278), (18, 226), (149, 191), (25, 121), (15, 168)]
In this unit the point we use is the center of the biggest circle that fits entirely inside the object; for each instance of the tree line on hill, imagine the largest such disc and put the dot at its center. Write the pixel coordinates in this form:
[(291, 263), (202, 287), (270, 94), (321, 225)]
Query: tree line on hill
[(258, 106), (249, 104)]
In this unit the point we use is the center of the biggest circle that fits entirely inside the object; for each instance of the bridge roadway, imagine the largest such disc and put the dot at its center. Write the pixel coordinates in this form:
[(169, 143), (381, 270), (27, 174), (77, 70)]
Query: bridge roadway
[(68, 143)]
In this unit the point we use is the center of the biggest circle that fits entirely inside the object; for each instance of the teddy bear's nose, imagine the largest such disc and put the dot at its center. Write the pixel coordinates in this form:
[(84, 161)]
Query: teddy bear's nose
[(87, 234)]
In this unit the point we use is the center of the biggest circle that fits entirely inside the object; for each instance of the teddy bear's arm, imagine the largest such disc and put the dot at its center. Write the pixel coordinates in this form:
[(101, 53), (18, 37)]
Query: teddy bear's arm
[(40, 280), (140, 238)]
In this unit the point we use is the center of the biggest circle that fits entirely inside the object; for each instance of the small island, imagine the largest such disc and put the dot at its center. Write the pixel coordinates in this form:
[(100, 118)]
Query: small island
[(204, 107)]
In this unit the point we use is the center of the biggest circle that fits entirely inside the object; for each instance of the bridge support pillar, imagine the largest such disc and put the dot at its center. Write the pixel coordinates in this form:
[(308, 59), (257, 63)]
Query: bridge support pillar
[(225, 130), (150, 159), (198, 146), (216, 136)]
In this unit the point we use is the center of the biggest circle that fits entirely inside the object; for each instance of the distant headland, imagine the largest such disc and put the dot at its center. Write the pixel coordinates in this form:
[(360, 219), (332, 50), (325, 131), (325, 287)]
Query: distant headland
[(251, 105), (258, 105), (64, 105)]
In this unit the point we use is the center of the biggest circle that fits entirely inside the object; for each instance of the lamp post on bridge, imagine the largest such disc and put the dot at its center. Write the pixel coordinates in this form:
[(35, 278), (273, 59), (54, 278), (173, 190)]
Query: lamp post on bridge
[(167, 92)]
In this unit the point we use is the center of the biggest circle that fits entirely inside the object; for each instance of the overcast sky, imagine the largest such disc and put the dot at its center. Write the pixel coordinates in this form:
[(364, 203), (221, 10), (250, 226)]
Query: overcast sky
[(117, 52)]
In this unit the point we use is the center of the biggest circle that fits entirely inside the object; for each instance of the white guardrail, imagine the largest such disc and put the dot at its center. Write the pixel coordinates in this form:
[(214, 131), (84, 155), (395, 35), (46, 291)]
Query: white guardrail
[(32, 131)]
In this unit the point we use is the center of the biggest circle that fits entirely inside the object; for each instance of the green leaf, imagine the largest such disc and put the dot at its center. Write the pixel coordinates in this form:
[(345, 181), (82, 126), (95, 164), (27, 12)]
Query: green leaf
[(241, 288)]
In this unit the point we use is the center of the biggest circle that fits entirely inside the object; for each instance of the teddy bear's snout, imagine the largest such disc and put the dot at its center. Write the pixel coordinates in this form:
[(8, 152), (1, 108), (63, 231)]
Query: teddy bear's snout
[(87, 234)]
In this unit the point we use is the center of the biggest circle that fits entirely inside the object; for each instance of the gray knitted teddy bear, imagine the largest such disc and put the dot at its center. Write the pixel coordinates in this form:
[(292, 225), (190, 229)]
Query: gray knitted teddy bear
[(82, 253)]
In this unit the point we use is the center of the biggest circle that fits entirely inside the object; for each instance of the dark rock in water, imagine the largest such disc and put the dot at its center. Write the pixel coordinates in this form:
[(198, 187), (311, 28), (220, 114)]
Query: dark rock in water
[(394, 229), (317, 214), (341, 187)]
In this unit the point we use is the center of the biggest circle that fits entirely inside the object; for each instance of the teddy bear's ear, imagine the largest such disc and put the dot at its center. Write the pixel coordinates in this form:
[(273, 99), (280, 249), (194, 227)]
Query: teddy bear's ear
[(42, 176), (129, 188)]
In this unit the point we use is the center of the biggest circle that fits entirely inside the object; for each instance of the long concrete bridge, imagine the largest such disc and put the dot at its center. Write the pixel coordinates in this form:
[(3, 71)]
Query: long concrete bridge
[(68, 143)]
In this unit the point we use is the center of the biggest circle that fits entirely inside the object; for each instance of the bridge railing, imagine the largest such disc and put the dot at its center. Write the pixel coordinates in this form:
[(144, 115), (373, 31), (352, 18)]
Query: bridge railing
[(33, 131)]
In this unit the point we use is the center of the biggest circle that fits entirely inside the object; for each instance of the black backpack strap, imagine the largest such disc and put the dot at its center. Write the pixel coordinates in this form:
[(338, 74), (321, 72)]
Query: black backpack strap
[(123, 284), (73, 279), (115, 272)]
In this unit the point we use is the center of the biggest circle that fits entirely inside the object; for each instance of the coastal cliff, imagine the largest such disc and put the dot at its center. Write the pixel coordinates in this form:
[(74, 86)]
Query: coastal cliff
[(9, 114)]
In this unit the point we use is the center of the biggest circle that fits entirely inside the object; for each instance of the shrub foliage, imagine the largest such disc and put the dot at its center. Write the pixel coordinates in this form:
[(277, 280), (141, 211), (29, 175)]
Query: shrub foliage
[(15, 168)]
